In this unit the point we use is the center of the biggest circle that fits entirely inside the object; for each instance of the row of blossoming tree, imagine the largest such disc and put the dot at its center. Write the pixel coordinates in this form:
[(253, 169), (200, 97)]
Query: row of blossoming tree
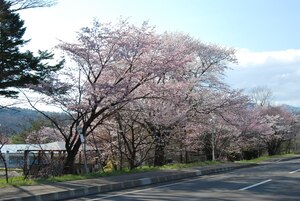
[(138, 95)]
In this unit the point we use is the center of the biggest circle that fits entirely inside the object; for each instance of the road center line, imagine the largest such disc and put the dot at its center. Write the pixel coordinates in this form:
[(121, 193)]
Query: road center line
[(294, 171), (260, 183)]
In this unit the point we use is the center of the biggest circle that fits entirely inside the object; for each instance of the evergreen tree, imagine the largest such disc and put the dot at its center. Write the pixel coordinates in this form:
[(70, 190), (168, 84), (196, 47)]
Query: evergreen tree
[(17, 68)]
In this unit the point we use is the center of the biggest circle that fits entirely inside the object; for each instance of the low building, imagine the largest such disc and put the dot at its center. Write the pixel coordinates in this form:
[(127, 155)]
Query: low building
[(14, 153)]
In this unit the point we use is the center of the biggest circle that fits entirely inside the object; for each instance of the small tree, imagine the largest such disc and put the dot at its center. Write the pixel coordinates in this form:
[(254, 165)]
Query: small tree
[(261, 96), (3, 140)]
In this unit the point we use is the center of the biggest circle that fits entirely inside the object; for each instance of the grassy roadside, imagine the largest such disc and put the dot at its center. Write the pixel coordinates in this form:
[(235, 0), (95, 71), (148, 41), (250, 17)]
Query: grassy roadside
[(265, 158), (19, 181)]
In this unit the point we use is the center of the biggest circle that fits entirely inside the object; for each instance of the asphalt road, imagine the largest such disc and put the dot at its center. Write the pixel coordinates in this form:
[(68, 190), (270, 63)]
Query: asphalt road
[(276, 181)]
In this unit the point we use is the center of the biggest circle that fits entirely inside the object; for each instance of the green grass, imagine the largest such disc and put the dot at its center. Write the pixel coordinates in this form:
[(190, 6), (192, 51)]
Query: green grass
[(107, 173), (16, 181), (265, 158), (188, 165), (19, 181)]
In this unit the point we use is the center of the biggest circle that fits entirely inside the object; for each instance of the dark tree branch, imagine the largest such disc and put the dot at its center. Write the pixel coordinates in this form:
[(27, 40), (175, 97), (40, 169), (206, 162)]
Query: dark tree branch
[(18, 5)]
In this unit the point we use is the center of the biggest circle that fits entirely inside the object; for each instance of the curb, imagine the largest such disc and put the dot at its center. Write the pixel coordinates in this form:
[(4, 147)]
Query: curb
[(288, 158), (276, 160), (67, 194)]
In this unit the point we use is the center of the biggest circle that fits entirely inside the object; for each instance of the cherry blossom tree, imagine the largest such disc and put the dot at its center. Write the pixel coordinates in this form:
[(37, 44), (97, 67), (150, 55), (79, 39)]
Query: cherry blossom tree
[(136, 142), (113, 62), (280, 124), (44, 135), (192, 89), (214, 127), (251, 125), (162, 120), (132, 141)]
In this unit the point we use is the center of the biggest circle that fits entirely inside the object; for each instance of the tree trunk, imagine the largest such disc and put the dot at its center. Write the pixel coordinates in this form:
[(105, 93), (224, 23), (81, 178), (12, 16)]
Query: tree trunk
[(5, 166), (69, 165), (132, 159), (131, 164), (159, 155), (159, 134), (274, 147)]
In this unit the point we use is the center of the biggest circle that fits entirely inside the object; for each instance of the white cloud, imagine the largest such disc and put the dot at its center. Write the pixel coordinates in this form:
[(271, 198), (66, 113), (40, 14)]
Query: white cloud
[(248, 58), (277, 70), (38, 100)]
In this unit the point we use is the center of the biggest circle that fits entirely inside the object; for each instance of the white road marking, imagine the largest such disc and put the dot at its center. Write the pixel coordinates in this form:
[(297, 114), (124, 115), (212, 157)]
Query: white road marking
[(260, 183), (294, 171)]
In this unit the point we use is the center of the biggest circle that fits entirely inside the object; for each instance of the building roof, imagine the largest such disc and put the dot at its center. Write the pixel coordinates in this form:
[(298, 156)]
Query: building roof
[(16, 148)]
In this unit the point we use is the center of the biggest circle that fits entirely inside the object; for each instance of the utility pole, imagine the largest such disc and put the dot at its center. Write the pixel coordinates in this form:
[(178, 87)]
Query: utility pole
[(213, 145), (213, 120)]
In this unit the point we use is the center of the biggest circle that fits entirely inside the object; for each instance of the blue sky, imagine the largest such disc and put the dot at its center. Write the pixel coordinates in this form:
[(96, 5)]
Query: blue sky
[(264, 32)]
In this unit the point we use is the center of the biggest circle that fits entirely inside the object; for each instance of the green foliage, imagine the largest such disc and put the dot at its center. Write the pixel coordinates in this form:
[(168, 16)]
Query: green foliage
[(36, 125), (19, 138), (18, 69)]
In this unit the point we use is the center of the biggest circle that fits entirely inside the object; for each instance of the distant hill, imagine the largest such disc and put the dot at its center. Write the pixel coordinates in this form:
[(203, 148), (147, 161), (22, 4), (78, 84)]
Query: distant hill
[(293, 109), (15, 120)]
